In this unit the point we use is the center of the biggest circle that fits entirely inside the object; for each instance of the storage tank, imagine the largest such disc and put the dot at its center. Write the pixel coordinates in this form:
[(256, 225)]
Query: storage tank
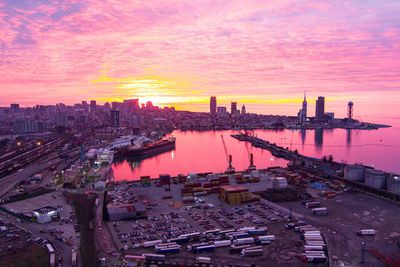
[(393, 184), (354, 173), (375, 178)]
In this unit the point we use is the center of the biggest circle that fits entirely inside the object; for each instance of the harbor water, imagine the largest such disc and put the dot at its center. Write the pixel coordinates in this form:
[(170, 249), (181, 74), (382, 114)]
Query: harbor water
[(205, 151)]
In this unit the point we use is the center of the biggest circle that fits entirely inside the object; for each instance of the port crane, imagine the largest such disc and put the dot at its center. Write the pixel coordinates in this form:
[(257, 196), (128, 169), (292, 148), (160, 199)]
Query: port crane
[(230, 169), (252, 167)]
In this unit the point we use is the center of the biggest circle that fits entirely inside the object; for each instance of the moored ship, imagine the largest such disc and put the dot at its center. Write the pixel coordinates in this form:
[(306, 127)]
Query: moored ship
[(148, 149)]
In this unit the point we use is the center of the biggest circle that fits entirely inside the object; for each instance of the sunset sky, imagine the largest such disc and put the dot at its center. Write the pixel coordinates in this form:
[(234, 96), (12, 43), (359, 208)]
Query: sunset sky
[(261, 53)]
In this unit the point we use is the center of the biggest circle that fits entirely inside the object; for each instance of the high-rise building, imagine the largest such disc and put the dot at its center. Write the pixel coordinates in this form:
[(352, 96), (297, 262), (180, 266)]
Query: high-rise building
[(114, 118), (213, 105), (304, 107), (233, 107), (84, 104), (115, 105), (221, 110), (320, 109), (14, 106), (243, 110), (131, 104), (107, 106), (92, 105)]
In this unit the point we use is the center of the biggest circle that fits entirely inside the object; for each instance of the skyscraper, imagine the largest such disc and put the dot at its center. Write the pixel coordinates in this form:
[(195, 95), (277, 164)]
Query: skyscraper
[(114, 118), (243, 110), (320, 108), (92, 105), (304, 107), (233, 107), (213, 105)]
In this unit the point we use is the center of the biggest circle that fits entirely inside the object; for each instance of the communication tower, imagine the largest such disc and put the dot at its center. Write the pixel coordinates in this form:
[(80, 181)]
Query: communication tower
[(350, 110)]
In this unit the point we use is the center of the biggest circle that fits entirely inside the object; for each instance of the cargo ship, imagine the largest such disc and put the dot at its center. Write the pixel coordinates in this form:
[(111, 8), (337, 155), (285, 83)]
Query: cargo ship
[(148, 149)]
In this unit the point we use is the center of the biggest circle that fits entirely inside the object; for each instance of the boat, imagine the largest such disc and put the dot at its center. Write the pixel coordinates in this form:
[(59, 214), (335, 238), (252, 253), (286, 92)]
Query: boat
[(147, 149)]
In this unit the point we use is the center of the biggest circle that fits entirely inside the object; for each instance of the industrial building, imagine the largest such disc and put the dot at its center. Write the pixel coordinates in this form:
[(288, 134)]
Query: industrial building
[(45, 214), (375, 178), (125, 211), (354, 172)]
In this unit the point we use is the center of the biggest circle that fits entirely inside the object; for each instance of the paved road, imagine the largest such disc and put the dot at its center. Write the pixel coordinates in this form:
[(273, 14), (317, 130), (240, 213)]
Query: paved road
[(9, 182)]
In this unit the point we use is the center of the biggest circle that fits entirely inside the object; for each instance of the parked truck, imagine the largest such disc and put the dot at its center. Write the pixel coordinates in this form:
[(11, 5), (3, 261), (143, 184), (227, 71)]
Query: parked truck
[(313, 204), (238, 249), (320, 211), (52, 260), (193, 247), (222, 243), (154, 257), (315, 243), (252, 252), (266, 237), (242, 241), (205, 249), (366, 232), (313, 248), (73, 260), (170, 250), (152, 243), (203, 260), (259, 231), (314, 258), (180, 239)]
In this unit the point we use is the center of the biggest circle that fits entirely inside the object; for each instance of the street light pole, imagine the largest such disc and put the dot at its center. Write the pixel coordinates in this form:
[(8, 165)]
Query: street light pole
[(394, 183)]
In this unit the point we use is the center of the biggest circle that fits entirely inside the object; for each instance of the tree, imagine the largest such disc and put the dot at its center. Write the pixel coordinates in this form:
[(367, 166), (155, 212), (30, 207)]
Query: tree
[(330, 158)]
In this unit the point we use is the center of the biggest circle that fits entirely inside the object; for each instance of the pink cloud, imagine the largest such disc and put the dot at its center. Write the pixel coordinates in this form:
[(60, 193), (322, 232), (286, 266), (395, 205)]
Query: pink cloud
[(225, 47)]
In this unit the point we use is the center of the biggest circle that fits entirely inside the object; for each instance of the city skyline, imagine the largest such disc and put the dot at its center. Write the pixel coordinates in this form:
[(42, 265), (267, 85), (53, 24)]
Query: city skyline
[(263, 54)]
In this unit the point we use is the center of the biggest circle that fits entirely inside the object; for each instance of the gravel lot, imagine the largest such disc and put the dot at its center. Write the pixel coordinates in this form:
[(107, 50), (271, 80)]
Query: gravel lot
[(349, 213)]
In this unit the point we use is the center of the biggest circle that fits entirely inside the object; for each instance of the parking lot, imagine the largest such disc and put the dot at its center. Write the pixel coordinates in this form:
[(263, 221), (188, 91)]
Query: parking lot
[(64, 228), (169, 218)]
